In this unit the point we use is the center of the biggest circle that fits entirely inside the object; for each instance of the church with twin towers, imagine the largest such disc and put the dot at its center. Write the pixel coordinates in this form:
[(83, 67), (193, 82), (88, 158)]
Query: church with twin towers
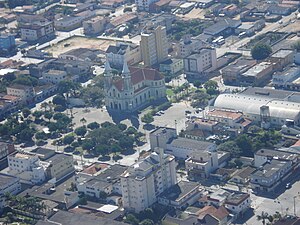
[(134, 89)]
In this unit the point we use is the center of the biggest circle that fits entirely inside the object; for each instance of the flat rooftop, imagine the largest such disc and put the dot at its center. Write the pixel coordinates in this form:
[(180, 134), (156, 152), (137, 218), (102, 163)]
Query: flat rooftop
[(5, 179), (224, 114)]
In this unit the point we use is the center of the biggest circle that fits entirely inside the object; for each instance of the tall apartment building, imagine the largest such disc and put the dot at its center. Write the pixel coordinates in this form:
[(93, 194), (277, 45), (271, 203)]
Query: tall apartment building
[(154, 45), (200, 63), (145, 180), (144, 5)]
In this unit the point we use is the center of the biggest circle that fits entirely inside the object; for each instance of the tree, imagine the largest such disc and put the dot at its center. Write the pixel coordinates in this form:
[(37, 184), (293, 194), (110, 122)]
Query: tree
[(26, 112), (131, 219), (81, 131), (147, 118), (59, 100), (48, 115), (263, 217), (197, 83), (67, 140), (93, 125), (147, 222), (37, 114), (83, 120), (261, 51), (244, 143), (296, 46), (87, 144), (41, 135), (211, 87), (26, 135), (68, 87), (231, 147)]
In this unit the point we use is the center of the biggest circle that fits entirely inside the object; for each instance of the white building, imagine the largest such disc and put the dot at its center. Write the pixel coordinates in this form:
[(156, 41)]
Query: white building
[(144, 5), (198, 64), (54, 76), (134, 89), (116, 55), (27, 167), (270, 107), (68, 23), (94, 26), (161, 136), (26, 93), (189, 45), (145, 180), (285, 78)]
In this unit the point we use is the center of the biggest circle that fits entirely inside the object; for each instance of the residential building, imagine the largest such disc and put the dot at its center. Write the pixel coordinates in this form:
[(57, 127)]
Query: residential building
[(285, 79), (94, 26), (263, 156), (213, 215), (59, 166), (238, 203), (54, 76), (154, 45), (282, 58), (27, 167), (134, 89), (26, 93), (281, 9), (35, 28), (106, 180), (250, 27), (198, 64), (231, 74), (145, 180), (202, 164), (181, 195), (144, 5), (6, 149), (68, 23), (172, 66), (258, 74), (242, 177), (7, 42), (116, 55), (189, 45), (269, 107), (269, 175)]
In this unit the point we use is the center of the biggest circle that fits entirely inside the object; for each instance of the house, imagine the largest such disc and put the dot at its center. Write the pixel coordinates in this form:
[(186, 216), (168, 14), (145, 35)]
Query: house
[(238, 203), (270, 175), (134, 89), (210, 214), (106, 180), (200, 63), (172, 66), (181, 195), (117, 54), (202, 164), (242, 177), (94, 25)]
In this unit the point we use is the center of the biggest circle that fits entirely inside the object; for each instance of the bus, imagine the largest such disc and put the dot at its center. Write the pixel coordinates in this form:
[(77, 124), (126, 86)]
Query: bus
[(221, 41), (242, 35)]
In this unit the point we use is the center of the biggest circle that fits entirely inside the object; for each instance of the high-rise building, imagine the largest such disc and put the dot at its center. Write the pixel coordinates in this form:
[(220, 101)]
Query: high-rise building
[(144, 5), (145, 180), (154, 45)]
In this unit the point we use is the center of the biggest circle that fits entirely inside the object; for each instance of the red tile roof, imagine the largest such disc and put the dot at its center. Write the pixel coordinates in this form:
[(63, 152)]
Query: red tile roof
[(138, 75), (219, 213)]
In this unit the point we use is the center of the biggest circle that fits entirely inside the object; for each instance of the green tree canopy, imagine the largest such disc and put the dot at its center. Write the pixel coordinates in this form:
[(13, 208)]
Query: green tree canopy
[(261, 51)]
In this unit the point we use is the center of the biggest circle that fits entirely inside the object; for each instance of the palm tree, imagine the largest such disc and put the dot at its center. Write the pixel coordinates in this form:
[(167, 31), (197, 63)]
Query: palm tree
[(263, 217)]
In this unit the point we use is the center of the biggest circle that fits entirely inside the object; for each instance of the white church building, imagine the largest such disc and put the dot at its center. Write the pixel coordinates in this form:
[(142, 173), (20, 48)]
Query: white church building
[(133, 89)]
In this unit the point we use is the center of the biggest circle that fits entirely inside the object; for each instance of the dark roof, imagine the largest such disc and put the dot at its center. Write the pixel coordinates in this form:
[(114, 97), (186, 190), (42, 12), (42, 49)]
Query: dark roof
[(179, 190), (190, 144), (111, 173), (121, 49), (269, 93), (160, 130), (221, 25), (237, 198), (274, 154), (67, 218), (20, 86), (4, 179), (245, 172), (138, 75), (57, 158), (270, 168), (43, 151)]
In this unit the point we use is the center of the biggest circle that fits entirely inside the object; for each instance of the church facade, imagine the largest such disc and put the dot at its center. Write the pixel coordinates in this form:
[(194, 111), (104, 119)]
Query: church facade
[(134, 89)]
